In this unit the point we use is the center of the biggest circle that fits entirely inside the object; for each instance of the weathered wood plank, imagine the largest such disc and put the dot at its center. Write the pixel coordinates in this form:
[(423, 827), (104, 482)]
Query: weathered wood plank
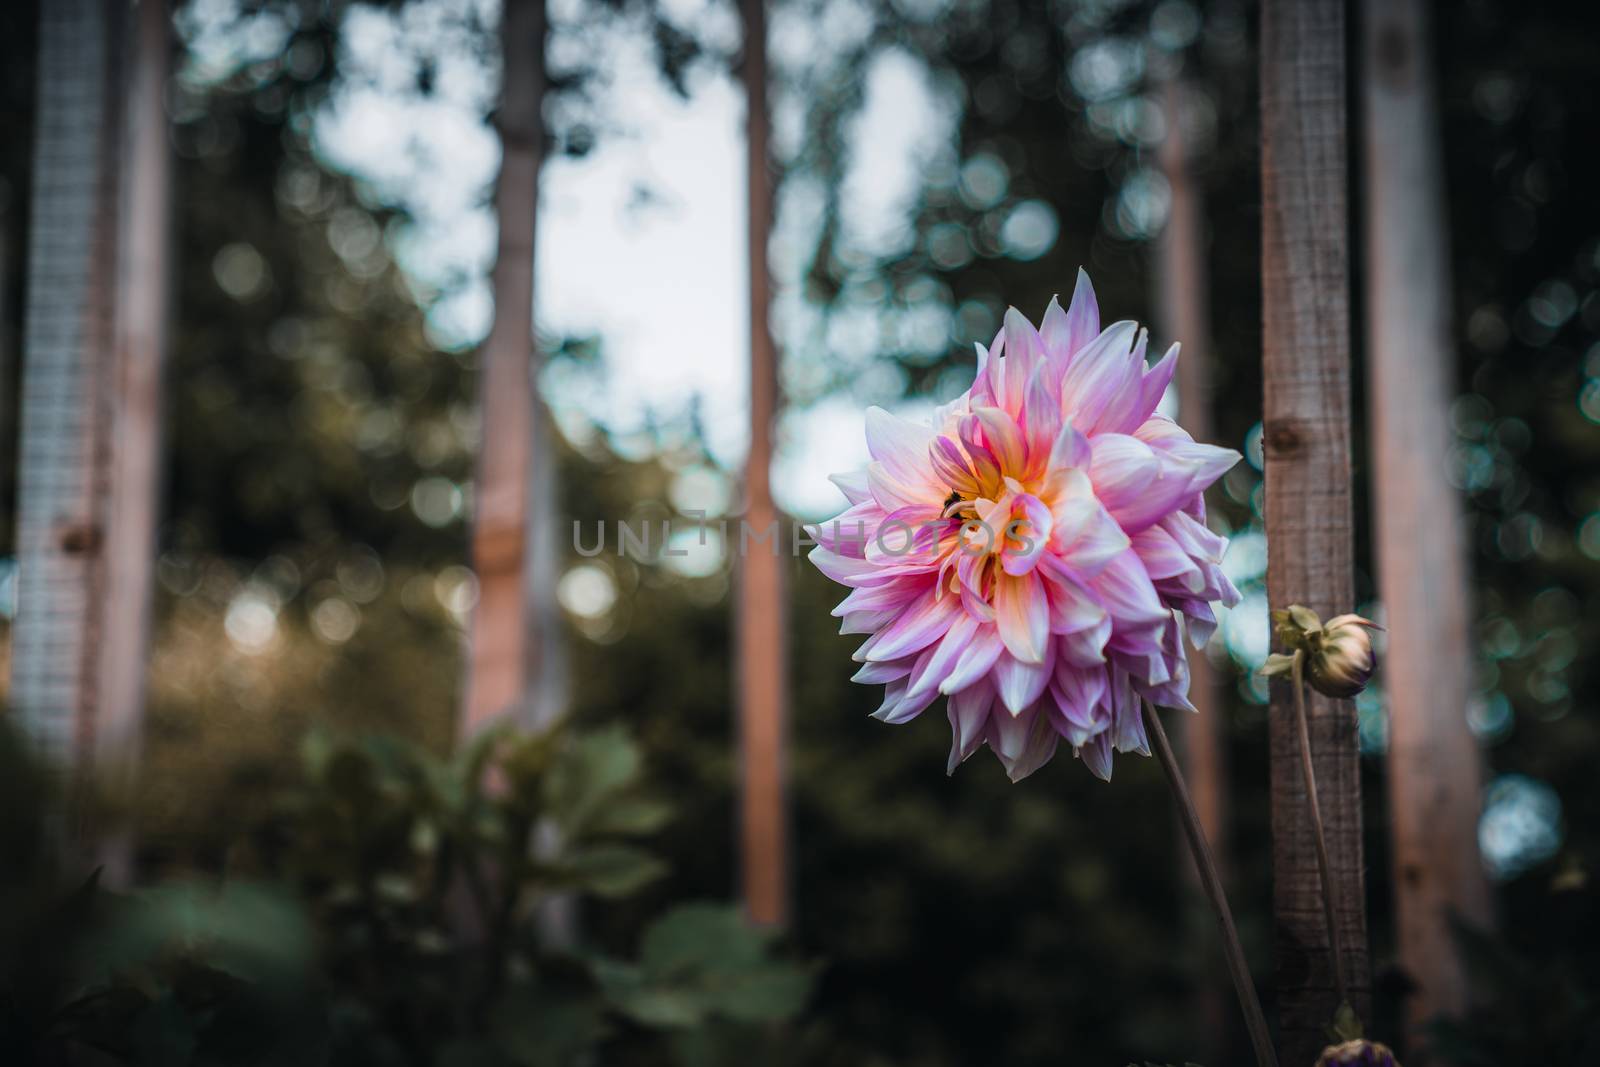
[(1306, 439), (1434, 763)]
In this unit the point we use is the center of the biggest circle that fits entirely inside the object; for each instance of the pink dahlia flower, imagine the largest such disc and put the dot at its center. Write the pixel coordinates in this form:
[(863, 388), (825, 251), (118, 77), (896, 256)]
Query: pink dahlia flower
[(1037, 553)]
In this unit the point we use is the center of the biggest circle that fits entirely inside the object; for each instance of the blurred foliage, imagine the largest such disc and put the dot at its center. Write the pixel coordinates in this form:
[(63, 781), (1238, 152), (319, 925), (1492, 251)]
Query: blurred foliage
[(389, 915), (1532, 1009), (319, 465)]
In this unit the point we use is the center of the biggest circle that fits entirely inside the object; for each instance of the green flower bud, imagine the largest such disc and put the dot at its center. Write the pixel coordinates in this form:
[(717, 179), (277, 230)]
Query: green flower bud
[(1340, 659), (1338, 653)]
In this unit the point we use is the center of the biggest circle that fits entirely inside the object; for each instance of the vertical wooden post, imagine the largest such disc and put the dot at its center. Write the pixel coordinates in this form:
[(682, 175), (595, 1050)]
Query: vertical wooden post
[(501, 639), (66, 356), (1305, 281), (1184, 296), (761, 643), (135, 408), (1433, 761), (8, 398)]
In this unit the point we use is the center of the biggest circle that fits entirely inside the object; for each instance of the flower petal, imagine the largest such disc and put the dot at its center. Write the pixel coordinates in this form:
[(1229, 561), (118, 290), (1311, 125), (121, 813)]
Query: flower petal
[(1022, 615), (894, 596), (853, 484), (1125, 590), (1041, 421), (1085, 537), (1076, 696), (1096, 755), (1141, 484), (1020, 684), (918, 626), (969, 720), (1004, 438), (901, 446), (1085, 649), (1009, 734), (847, 570), (849, 532), (970, 430), (1024, 352), (1154, 385), (1127, 721), (1065, 334), (1027, 535), (951, 467), (1100, 372), (1164, 560), (883, 673), (1037, 750), (1119, 407), (1072, 607), (1070, 450), (981, 392), (1121, 468), (865, 622), (909, 700), (974, 662), (929, 674)]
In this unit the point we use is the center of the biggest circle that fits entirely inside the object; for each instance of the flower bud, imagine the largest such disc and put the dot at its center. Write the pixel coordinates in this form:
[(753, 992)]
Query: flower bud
[(1357, 1053), (1339, 657), (1338, 653)]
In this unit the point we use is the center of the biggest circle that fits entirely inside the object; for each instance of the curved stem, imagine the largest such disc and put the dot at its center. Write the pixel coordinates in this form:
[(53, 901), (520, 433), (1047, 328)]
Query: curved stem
[(1254, 1020), (1323, 867)]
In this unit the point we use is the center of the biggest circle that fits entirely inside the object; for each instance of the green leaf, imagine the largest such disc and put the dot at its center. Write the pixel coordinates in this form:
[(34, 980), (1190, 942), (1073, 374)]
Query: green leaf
[(244, 930), (630, 816), (660, 1006), (770, 993), (1303, 617), (610, 870), (593, 769), (1277, 664), (704, 960), (701, 935)]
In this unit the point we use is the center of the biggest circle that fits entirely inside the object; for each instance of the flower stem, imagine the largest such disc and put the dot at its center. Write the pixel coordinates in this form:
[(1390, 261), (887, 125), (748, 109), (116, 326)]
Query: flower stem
[(1323, 867), (1254, 1020)]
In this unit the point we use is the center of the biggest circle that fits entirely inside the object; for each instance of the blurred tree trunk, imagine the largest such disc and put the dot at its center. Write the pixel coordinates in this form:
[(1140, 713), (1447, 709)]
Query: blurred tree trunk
[(1185, 293), (134, 461), (1434, 763), (516, 672), (67, 356), (1306, 438), (505, 647), (7, 401), (761, 645)]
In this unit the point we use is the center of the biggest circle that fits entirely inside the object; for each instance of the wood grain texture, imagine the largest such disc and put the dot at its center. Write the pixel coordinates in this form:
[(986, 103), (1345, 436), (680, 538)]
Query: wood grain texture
[(499, 650), (762, 646), (67, 341), (1184, 298), (1434, 763), (1306, 439), (134, 410)]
